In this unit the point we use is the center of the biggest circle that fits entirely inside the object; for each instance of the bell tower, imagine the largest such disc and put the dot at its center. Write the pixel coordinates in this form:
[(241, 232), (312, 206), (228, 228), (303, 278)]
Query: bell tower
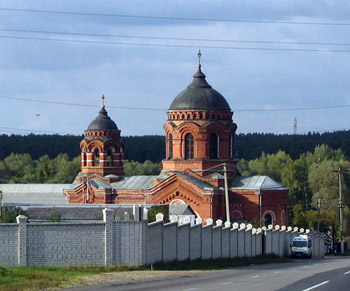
[(199, 130), (102, 149)]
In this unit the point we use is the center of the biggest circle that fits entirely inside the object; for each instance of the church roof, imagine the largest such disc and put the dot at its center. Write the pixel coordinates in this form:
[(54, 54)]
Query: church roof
[(102, 122), (135, 183), (199, 95), (256, 183), (33, 194), (99, 184), (180, 209), (199, 183)]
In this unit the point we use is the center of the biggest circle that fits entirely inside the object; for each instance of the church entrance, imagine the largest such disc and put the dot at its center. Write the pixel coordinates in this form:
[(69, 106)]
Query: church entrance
[(268, 219)]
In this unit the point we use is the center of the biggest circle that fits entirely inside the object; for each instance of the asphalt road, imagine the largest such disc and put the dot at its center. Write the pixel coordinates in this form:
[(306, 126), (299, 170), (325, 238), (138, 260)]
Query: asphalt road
[(331, 273)]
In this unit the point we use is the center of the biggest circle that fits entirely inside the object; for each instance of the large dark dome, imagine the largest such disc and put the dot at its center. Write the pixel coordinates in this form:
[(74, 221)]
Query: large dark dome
[(199, 95), (102, 122)]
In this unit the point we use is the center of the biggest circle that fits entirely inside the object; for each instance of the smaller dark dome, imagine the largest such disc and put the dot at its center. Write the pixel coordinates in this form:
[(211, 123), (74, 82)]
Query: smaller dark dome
[(199, 95), (102, 122)]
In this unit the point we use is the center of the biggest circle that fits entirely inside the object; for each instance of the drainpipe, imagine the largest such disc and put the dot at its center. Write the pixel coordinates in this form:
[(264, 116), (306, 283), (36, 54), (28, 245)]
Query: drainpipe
[(227, 205), (260, 207), (0, 203), (211, 204)]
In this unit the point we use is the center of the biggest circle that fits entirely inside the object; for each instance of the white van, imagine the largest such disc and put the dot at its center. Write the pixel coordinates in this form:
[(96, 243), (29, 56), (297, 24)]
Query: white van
[(302, 246)]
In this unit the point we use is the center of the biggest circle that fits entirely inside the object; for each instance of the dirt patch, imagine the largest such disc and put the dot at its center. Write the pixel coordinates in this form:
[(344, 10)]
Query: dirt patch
[(126, 277)]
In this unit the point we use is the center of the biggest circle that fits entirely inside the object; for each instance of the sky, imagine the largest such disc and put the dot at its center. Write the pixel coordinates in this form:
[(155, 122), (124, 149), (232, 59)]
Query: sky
[(140, 64)]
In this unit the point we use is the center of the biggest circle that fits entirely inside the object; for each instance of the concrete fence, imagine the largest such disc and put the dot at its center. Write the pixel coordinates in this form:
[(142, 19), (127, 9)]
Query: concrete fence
[(137, 243)]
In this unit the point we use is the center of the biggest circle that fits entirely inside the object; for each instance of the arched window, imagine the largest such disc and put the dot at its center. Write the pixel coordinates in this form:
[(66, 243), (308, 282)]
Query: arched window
[(170, 146), (214, 146), (231, 146), (83, 157), (189, 147), (236, 216), (110, 154), (269, 218), (96, 157)]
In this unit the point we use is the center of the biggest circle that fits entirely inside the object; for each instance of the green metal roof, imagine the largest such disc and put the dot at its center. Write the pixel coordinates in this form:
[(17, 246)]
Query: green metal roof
[(135, 183), (256, 183)]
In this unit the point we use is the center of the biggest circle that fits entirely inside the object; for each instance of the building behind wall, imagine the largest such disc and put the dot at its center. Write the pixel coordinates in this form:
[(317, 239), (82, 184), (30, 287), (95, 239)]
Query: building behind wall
[(199, 135)]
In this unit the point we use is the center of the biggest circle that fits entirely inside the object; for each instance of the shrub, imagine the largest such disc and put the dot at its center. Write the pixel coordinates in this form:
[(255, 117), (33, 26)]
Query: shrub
[(9, 214), (154, 210)]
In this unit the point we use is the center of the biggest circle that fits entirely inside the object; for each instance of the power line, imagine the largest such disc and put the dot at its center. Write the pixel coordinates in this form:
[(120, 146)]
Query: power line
[(79, 104), (8, 129), (174, 45), (175, 18), (20, 130), (164, 109), (176, 38)]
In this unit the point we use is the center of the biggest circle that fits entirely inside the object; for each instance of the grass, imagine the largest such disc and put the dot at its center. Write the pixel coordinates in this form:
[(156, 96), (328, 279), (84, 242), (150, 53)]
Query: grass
[(38, 278), (220, 263)]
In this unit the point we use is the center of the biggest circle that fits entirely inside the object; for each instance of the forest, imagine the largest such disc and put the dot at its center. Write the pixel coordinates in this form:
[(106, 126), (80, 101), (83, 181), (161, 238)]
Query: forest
[(152, 147), (305, 164)]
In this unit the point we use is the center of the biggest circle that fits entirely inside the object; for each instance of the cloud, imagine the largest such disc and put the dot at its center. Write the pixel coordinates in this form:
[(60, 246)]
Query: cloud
[(151, 77)]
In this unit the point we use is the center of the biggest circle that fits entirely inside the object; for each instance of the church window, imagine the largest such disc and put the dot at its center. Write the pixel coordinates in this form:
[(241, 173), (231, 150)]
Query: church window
[(110, 153), (214, 146), (170, 143), (231, 146), (83, 157), (189, 147), (96, 157), (269, 218)]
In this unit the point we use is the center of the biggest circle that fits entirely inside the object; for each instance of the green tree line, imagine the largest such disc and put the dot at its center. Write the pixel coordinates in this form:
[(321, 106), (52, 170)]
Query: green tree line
[(310, 177), (152, 147), (21, 168)]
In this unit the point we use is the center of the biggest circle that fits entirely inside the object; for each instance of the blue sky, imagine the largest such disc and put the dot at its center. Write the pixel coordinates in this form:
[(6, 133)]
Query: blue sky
[(138, 76)]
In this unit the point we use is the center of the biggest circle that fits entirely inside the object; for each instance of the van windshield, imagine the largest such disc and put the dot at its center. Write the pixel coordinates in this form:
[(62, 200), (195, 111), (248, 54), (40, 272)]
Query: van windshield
[(299, 243)]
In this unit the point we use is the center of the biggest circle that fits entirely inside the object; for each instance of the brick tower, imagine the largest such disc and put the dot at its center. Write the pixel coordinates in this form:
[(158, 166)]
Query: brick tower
[(102, 149), (199, 131)]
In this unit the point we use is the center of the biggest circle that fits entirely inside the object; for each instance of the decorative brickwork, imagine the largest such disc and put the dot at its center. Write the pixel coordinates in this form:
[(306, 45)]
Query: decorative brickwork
[(199, 136)]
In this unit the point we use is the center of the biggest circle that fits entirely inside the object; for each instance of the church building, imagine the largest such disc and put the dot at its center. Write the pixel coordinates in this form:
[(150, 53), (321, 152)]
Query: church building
[(198, 168)]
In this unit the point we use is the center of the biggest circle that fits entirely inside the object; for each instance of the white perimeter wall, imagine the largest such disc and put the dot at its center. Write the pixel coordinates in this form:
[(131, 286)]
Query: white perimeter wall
[(138, 243)]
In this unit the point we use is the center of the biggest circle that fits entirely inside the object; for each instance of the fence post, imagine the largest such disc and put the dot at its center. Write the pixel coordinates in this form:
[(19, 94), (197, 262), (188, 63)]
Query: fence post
[(22, 240), (108, 218)]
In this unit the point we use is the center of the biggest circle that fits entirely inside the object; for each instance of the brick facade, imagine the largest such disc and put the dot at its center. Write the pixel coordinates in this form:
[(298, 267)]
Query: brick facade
[(199, 136)]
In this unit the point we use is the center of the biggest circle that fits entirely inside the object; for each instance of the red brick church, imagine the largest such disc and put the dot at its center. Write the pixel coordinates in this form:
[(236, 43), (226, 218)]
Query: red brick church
[(199, 134)]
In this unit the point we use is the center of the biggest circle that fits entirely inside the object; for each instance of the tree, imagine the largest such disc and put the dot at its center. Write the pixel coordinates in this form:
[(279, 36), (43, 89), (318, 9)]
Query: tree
[(9, 214), (15, 166), (45, 170), (65, 169), (300, 218), (154, 210), (132, 168)]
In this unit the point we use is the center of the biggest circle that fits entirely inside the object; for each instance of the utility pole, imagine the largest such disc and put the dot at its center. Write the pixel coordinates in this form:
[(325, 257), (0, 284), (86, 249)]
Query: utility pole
[(340, 206), (226, 195), (318, 213), (341, 213)]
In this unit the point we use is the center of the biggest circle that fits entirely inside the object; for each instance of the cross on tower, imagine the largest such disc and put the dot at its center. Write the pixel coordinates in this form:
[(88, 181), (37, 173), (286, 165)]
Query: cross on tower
[(103, 100), (199, 57)]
